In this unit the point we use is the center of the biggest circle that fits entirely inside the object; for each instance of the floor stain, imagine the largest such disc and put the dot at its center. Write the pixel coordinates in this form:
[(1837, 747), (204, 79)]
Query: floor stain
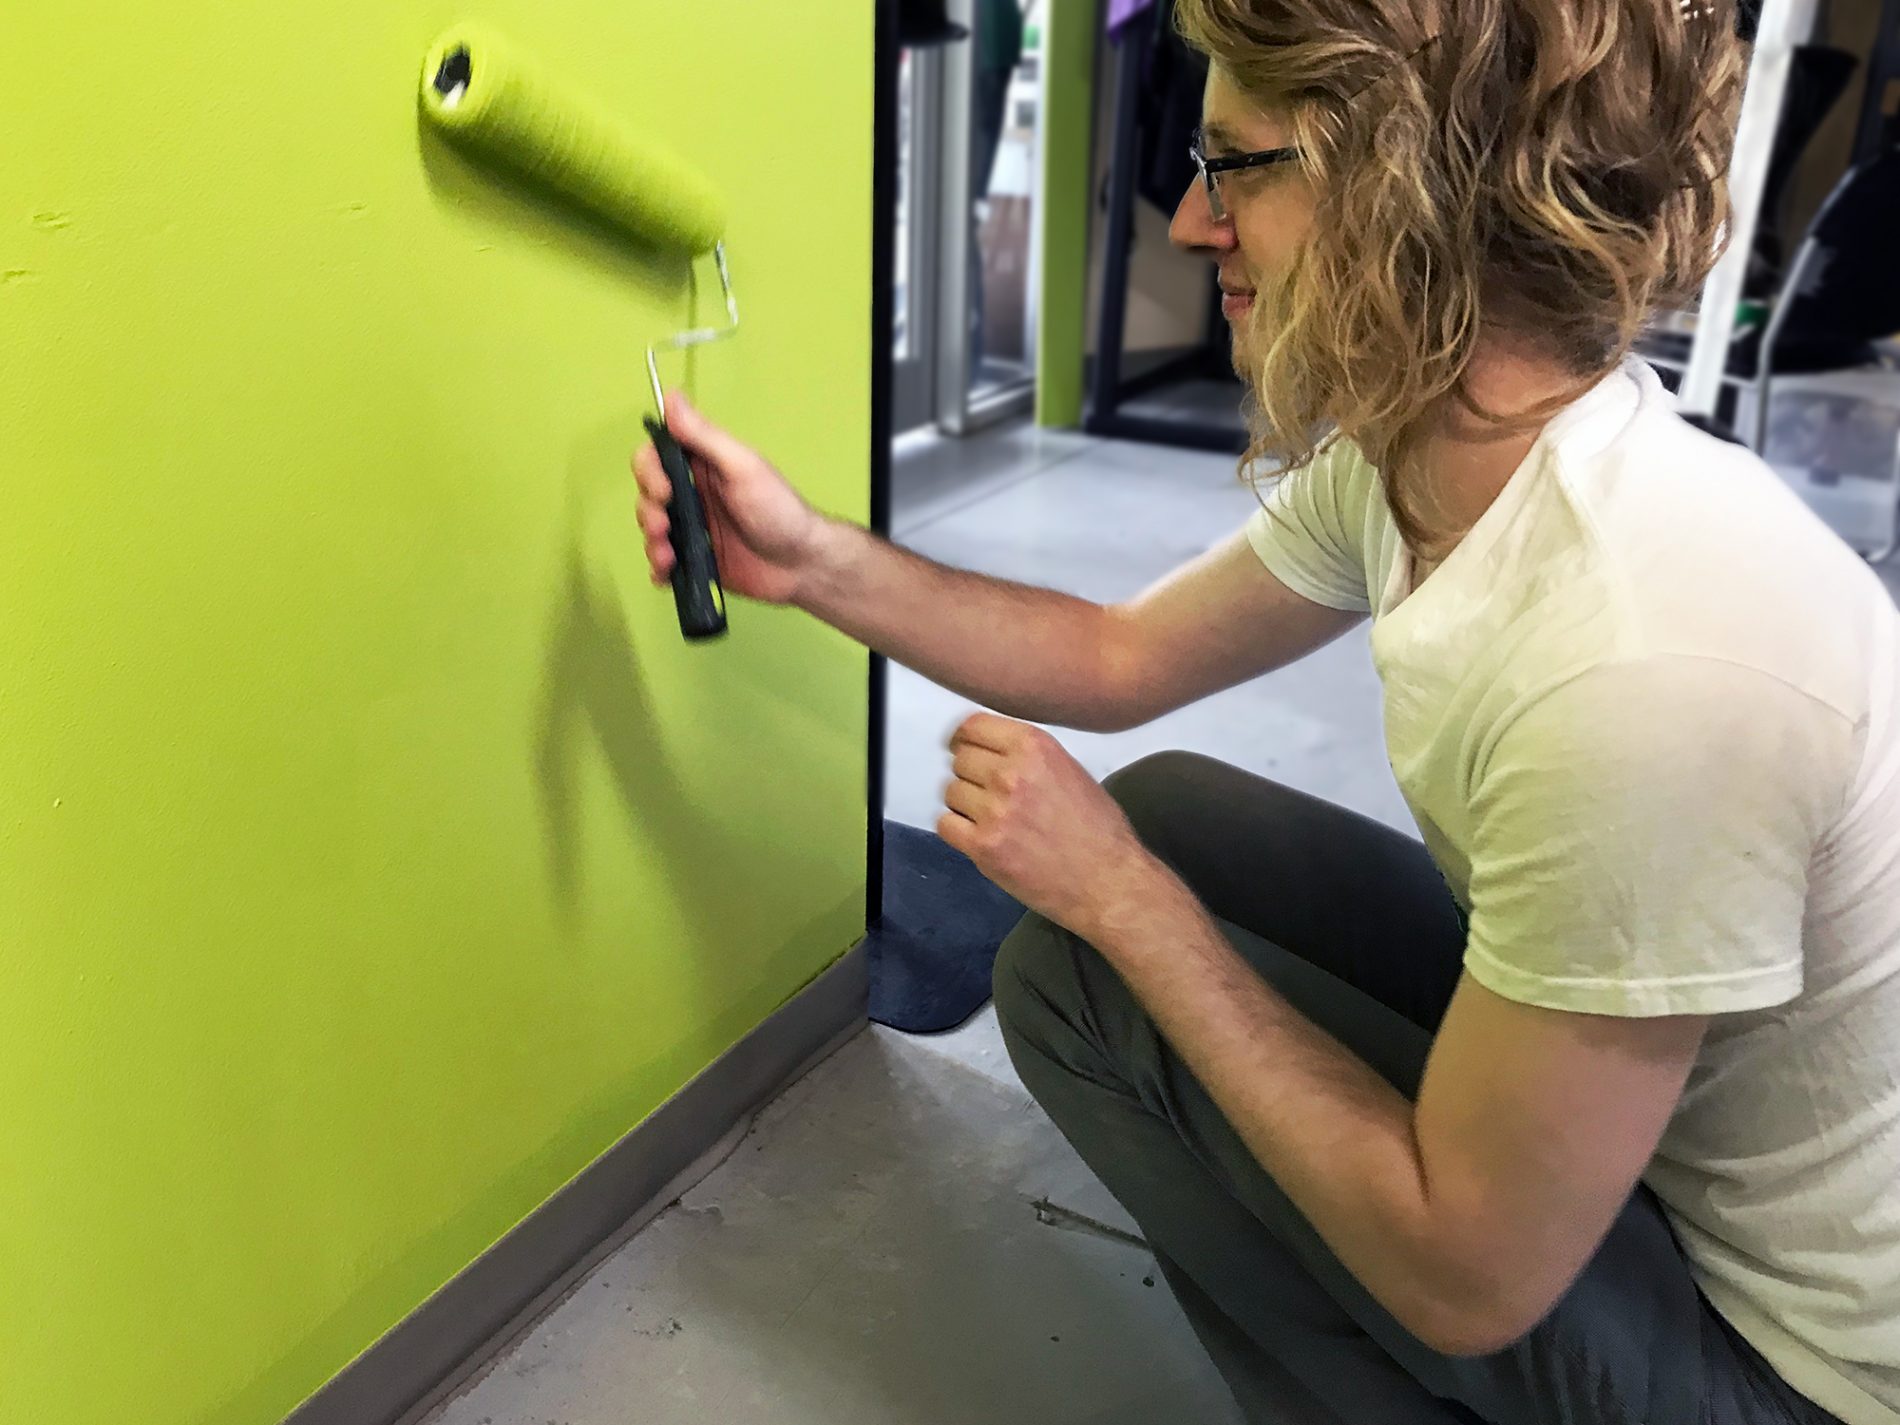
[(660, 1333), (1051, 1214)]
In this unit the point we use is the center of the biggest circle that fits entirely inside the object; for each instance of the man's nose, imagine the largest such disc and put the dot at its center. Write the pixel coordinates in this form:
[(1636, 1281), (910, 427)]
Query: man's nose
[(1195, 227)]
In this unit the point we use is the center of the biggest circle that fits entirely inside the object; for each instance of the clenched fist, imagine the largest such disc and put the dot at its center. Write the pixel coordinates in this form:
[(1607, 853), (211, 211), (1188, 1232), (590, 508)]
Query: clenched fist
[(1038, 825)]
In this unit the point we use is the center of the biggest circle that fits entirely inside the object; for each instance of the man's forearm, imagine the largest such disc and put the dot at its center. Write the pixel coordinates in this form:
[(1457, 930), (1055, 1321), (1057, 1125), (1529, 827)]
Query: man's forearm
[(1337, 1138), (1029, 653)]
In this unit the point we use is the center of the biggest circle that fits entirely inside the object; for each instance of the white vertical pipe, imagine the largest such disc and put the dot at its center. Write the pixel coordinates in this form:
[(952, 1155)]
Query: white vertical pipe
[(1784, 25)]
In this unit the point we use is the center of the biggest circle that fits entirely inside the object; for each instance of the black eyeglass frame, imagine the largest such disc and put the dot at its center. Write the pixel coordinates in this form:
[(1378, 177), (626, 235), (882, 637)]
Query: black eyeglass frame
[(1211, 169)]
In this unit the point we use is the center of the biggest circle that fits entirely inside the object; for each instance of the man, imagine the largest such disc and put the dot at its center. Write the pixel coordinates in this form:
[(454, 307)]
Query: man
[(1588, 1110)]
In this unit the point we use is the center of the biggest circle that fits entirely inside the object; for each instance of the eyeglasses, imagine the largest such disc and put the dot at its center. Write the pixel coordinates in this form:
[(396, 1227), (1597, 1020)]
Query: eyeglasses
[(1211, 169)]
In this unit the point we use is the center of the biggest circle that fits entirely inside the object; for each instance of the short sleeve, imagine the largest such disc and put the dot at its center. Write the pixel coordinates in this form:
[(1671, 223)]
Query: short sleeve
[(1311, 530), (1642, 837)]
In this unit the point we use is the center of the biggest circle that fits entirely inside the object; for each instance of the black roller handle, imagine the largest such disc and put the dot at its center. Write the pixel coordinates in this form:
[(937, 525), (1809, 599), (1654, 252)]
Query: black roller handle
[(696, 590)]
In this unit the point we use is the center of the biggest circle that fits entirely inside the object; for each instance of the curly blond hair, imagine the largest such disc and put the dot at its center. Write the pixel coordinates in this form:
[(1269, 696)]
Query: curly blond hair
[(1548, 169)]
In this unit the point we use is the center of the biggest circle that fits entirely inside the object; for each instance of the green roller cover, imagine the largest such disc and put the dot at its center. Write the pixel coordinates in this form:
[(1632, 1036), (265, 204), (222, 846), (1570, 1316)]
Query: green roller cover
[(497, 103)]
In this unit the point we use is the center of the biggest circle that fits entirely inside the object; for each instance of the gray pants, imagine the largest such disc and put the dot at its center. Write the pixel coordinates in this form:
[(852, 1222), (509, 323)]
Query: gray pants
[(1351, 923)]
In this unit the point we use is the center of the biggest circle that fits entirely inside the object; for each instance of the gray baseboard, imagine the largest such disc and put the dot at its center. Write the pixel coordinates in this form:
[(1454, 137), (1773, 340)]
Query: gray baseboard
[(439, 1346)]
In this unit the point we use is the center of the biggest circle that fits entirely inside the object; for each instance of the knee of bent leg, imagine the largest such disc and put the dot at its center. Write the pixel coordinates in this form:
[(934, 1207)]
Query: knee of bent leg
[(1158, 788), (1036, 975), (1041, 968)]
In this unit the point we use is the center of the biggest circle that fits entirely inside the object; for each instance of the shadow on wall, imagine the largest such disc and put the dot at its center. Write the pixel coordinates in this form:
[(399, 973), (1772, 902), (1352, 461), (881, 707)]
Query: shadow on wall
[(595, 702), (596, 692), (509, 206), (595, 685)]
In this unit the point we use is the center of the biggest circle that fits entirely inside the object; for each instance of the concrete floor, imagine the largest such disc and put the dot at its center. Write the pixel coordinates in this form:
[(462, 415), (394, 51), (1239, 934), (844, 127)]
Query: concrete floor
[(868, 1256), (869, 1252)]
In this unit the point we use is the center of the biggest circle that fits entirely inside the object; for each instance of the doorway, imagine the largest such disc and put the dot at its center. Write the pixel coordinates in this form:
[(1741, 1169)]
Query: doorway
[(965, 280)]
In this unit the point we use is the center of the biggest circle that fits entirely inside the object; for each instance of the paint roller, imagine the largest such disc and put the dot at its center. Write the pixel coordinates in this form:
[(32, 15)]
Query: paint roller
[(500, 107)]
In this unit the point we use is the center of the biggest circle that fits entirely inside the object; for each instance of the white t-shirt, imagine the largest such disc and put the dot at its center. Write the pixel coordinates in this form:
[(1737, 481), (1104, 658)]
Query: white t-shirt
[(1645, 715)]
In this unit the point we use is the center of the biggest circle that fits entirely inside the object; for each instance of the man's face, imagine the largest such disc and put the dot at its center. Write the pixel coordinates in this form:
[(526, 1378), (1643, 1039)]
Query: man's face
[(1269, 210)]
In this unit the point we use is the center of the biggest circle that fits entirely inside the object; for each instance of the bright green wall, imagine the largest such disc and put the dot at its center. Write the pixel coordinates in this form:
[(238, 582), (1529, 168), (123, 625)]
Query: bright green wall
[(1068, 125), (372, 850)]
